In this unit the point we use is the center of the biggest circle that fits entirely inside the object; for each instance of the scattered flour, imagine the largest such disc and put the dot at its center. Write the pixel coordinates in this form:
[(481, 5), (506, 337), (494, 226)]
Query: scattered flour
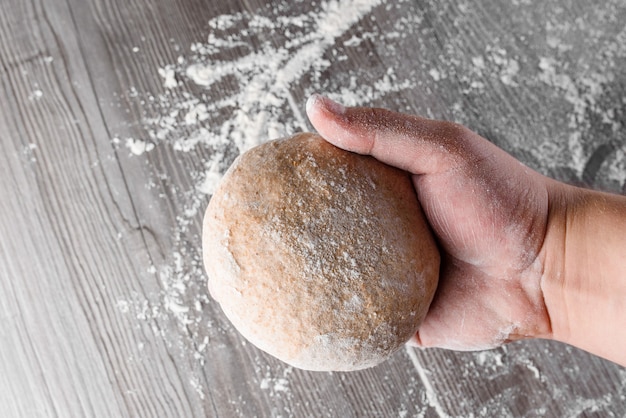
[(138, 147), (169, 77), (36, 94), (617, 167), (256, 90), (435, 74), (431, 394), (277, 385), (225, 95), (211, 180)]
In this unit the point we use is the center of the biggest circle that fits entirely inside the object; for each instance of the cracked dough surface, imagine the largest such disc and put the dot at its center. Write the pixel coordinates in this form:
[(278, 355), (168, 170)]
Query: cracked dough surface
[(319, 256)]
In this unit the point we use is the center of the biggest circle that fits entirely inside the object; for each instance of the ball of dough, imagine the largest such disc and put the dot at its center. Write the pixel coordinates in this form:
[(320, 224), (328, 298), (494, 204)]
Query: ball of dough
[(319, 256)]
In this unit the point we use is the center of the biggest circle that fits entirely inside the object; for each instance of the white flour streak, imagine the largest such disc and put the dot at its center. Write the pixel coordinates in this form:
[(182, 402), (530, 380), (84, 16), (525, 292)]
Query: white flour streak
[(431, 394), (257, 77), (265, 77)]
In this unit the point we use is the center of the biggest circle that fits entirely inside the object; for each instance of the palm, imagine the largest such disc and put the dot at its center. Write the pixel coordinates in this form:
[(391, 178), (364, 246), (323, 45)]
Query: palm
[(490, 231)]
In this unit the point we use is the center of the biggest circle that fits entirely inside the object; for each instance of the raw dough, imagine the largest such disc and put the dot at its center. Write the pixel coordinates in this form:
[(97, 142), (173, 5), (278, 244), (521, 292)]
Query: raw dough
[(319, 256)]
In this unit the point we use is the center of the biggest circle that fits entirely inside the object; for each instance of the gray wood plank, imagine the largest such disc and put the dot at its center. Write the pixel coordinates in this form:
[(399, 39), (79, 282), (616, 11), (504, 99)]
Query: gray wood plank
[(102, 295)]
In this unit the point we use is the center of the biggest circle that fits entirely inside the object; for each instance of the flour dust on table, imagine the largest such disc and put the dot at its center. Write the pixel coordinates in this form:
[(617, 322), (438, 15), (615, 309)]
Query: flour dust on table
[(261, 66), (257, 103)]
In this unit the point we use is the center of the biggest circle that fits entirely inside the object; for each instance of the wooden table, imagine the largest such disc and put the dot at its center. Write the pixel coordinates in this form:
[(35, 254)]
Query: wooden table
[(117, 118)]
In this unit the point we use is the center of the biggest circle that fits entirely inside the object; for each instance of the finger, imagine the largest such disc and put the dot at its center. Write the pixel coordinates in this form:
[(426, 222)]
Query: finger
[(412, 143)]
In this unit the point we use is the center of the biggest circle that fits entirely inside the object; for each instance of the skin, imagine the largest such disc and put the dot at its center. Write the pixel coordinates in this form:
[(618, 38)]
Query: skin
[(523, 256)]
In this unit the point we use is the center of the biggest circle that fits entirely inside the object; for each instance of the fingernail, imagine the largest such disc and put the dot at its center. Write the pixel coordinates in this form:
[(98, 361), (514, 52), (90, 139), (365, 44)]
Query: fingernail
[(333, 106), (313, 99), (330, 105)]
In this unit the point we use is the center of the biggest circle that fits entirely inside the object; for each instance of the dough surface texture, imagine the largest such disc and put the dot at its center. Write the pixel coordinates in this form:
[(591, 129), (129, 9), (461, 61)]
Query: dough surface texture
[(318, 256)]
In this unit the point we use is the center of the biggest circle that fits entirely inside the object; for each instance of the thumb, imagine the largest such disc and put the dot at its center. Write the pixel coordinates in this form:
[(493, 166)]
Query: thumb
[(412, 143)]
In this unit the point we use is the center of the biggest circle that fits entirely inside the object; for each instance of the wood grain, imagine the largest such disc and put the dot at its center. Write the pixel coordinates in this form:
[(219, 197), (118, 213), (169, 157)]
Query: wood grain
[(103, 306)]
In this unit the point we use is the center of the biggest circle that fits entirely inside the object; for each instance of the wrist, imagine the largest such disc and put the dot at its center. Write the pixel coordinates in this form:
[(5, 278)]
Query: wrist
[(554, 283), (583, 283)]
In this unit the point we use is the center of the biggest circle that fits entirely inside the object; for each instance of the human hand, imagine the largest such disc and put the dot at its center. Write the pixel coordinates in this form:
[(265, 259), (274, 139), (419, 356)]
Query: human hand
[(489, 214)]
